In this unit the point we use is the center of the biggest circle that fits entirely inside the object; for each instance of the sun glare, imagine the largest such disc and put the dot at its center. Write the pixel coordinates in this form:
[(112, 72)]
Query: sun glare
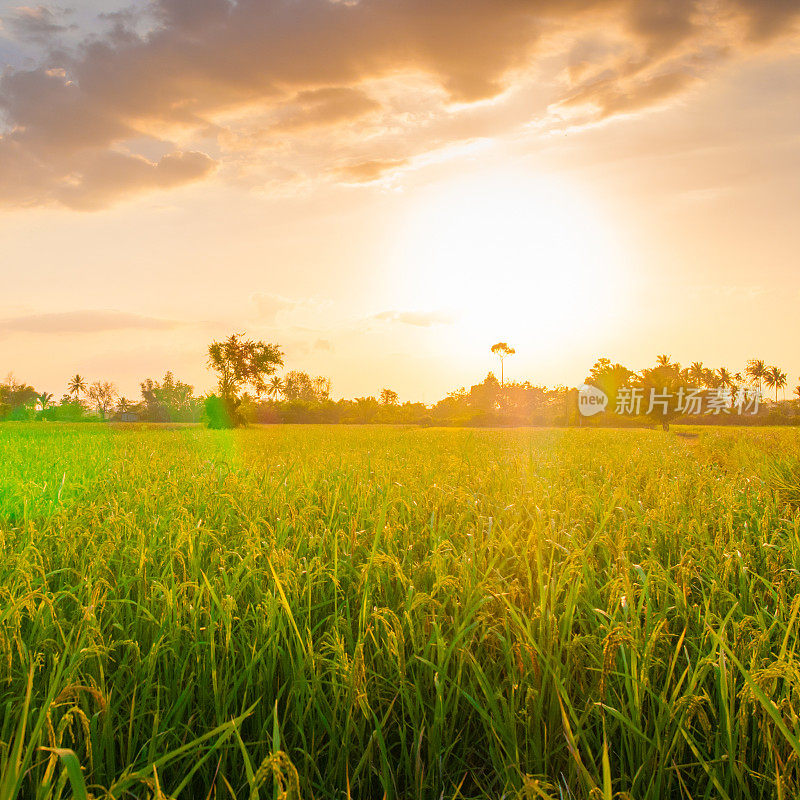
[(510, 256)]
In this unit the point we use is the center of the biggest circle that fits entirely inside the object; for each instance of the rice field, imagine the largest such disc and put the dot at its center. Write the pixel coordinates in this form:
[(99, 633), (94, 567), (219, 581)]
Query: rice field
[(335, 612)]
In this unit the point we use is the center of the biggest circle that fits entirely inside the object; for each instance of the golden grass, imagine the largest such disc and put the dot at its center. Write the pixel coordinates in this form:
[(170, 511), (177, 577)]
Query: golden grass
[(366, 612)]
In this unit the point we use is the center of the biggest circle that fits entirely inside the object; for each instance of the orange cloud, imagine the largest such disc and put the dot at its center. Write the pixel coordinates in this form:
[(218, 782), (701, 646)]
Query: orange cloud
[(73, 125), (612, 96), (326, 106), (367, 171)]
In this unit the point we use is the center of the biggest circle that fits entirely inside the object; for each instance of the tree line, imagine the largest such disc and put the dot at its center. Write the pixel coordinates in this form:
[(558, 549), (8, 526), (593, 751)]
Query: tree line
[(249, 390), (721, 389)]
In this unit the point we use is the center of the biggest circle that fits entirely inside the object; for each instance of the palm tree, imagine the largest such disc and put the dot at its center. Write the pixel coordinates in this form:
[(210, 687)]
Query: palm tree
[(44, 400), (698, 373), (711, 379), (797, 391), (663, 361), (775, 379), (502, 351), (77, 386), (724, 378), (123, 405), (756, 371), (275, 387)]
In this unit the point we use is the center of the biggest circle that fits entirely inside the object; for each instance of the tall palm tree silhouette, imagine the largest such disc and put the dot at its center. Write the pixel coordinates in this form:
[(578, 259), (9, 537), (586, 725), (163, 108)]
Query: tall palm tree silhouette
[(775, 379), (724, 378), (502, 351), (711, 379), (698, 373), (275, 387), (77, 386), (756, 369)]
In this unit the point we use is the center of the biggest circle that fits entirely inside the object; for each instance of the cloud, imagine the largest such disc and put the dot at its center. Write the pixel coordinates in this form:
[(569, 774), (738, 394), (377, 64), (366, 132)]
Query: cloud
[(105, 176), (769, 18), (368, 171), (610, 96), (421, 319), (196, 76), (39, 24), (82, 322), (319, 107), (270, 306)]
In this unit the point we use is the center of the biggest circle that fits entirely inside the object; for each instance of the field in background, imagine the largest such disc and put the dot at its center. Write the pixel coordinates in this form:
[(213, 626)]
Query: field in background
[(398, 612)]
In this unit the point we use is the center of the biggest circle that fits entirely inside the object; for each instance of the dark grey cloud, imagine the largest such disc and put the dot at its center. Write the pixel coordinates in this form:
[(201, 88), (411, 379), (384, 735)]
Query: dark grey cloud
[(38, 24)]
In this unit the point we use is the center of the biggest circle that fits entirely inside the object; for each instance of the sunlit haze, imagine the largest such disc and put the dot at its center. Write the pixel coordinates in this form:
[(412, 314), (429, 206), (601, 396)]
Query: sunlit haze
[(386, 189)]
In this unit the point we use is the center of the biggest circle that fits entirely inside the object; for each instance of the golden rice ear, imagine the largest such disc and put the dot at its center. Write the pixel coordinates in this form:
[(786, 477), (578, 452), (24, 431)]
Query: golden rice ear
[(283, 772)]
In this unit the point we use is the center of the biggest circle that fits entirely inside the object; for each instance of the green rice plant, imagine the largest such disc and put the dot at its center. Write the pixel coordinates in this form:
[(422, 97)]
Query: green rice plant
[(396, 612)]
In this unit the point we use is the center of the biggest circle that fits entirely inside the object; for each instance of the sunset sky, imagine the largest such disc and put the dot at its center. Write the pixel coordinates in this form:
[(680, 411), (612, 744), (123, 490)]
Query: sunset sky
[(388, 187)]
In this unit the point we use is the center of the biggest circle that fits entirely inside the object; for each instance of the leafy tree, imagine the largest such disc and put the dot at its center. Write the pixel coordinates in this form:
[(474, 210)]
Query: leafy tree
[(301, 386), (17, 400), (523, 403), (502, 351), (322, 388), (365, 409), (663, 383), (388, 397), (68, 409), (485, 396), (610, 378), (168, 400), (103, 394), (239, 362)]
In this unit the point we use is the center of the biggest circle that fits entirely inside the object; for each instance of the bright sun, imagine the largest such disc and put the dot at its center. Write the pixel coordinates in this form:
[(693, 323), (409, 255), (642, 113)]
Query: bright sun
[(512, 257)]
